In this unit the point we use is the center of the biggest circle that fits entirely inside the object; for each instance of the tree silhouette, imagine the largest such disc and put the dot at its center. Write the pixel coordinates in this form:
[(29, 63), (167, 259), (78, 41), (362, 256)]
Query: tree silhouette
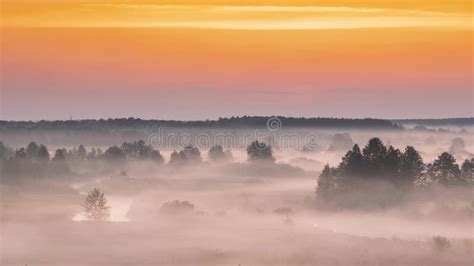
[(217, 154), (95, 206), (139, 150), (412, 165), (59, 165), (176, 158), (177, 208), (191, 154), (32, 150), (467, 171), (81, 152), (99, 153), (444, 170), (5, 152), (156, 156), (59, 156), (20, 154), (92, 155), (393, 162), (352, 163), (43, 153), (375, 154), (327, 185), (361, 178), (457, 146), (341, 142), (260, 152), (114, 153)]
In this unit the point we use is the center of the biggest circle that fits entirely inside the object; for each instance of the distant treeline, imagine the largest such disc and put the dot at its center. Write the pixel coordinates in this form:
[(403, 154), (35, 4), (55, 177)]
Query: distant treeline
[(232, 122), (469, 121), (36, 160)]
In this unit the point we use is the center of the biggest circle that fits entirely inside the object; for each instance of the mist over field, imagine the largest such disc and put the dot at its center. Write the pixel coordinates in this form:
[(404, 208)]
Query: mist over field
[(236, 133), (269, 194)]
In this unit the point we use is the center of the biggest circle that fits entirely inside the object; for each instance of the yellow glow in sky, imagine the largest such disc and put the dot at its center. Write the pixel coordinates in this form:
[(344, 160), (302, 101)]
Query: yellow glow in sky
[(267, 15), (321, 57)]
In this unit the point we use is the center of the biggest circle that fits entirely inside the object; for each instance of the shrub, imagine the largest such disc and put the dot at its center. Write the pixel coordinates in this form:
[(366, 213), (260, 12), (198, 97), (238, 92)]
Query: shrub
[(177, 207), (441, 243)]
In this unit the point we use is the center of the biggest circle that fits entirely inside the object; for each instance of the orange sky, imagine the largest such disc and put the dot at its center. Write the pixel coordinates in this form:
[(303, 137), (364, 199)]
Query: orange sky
[(194, 60)]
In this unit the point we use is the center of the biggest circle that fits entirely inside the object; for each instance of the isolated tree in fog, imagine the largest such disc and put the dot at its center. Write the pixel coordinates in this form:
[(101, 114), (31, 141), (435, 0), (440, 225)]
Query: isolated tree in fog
[(95, 206), (43, 153), (444, 170), (441, 243), (260, 152), (177, 207)]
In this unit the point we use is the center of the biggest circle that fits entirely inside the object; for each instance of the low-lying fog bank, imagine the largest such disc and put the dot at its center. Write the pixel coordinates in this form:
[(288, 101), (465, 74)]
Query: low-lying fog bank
[(239, 207)]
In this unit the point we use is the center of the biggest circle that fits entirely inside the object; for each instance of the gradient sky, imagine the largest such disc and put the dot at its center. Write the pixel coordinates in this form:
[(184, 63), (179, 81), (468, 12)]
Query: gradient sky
[(206, 59)]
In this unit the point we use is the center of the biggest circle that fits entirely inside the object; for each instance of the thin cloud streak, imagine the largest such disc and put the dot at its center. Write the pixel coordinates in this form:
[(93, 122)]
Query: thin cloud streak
[(237, 17)]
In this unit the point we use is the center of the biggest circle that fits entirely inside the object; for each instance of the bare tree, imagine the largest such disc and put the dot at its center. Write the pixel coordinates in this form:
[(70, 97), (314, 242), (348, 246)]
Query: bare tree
[(95, 206)]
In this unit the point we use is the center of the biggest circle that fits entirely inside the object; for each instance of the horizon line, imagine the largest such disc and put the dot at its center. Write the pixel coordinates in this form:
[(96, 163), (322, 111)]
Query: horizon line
[(236, 117)]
